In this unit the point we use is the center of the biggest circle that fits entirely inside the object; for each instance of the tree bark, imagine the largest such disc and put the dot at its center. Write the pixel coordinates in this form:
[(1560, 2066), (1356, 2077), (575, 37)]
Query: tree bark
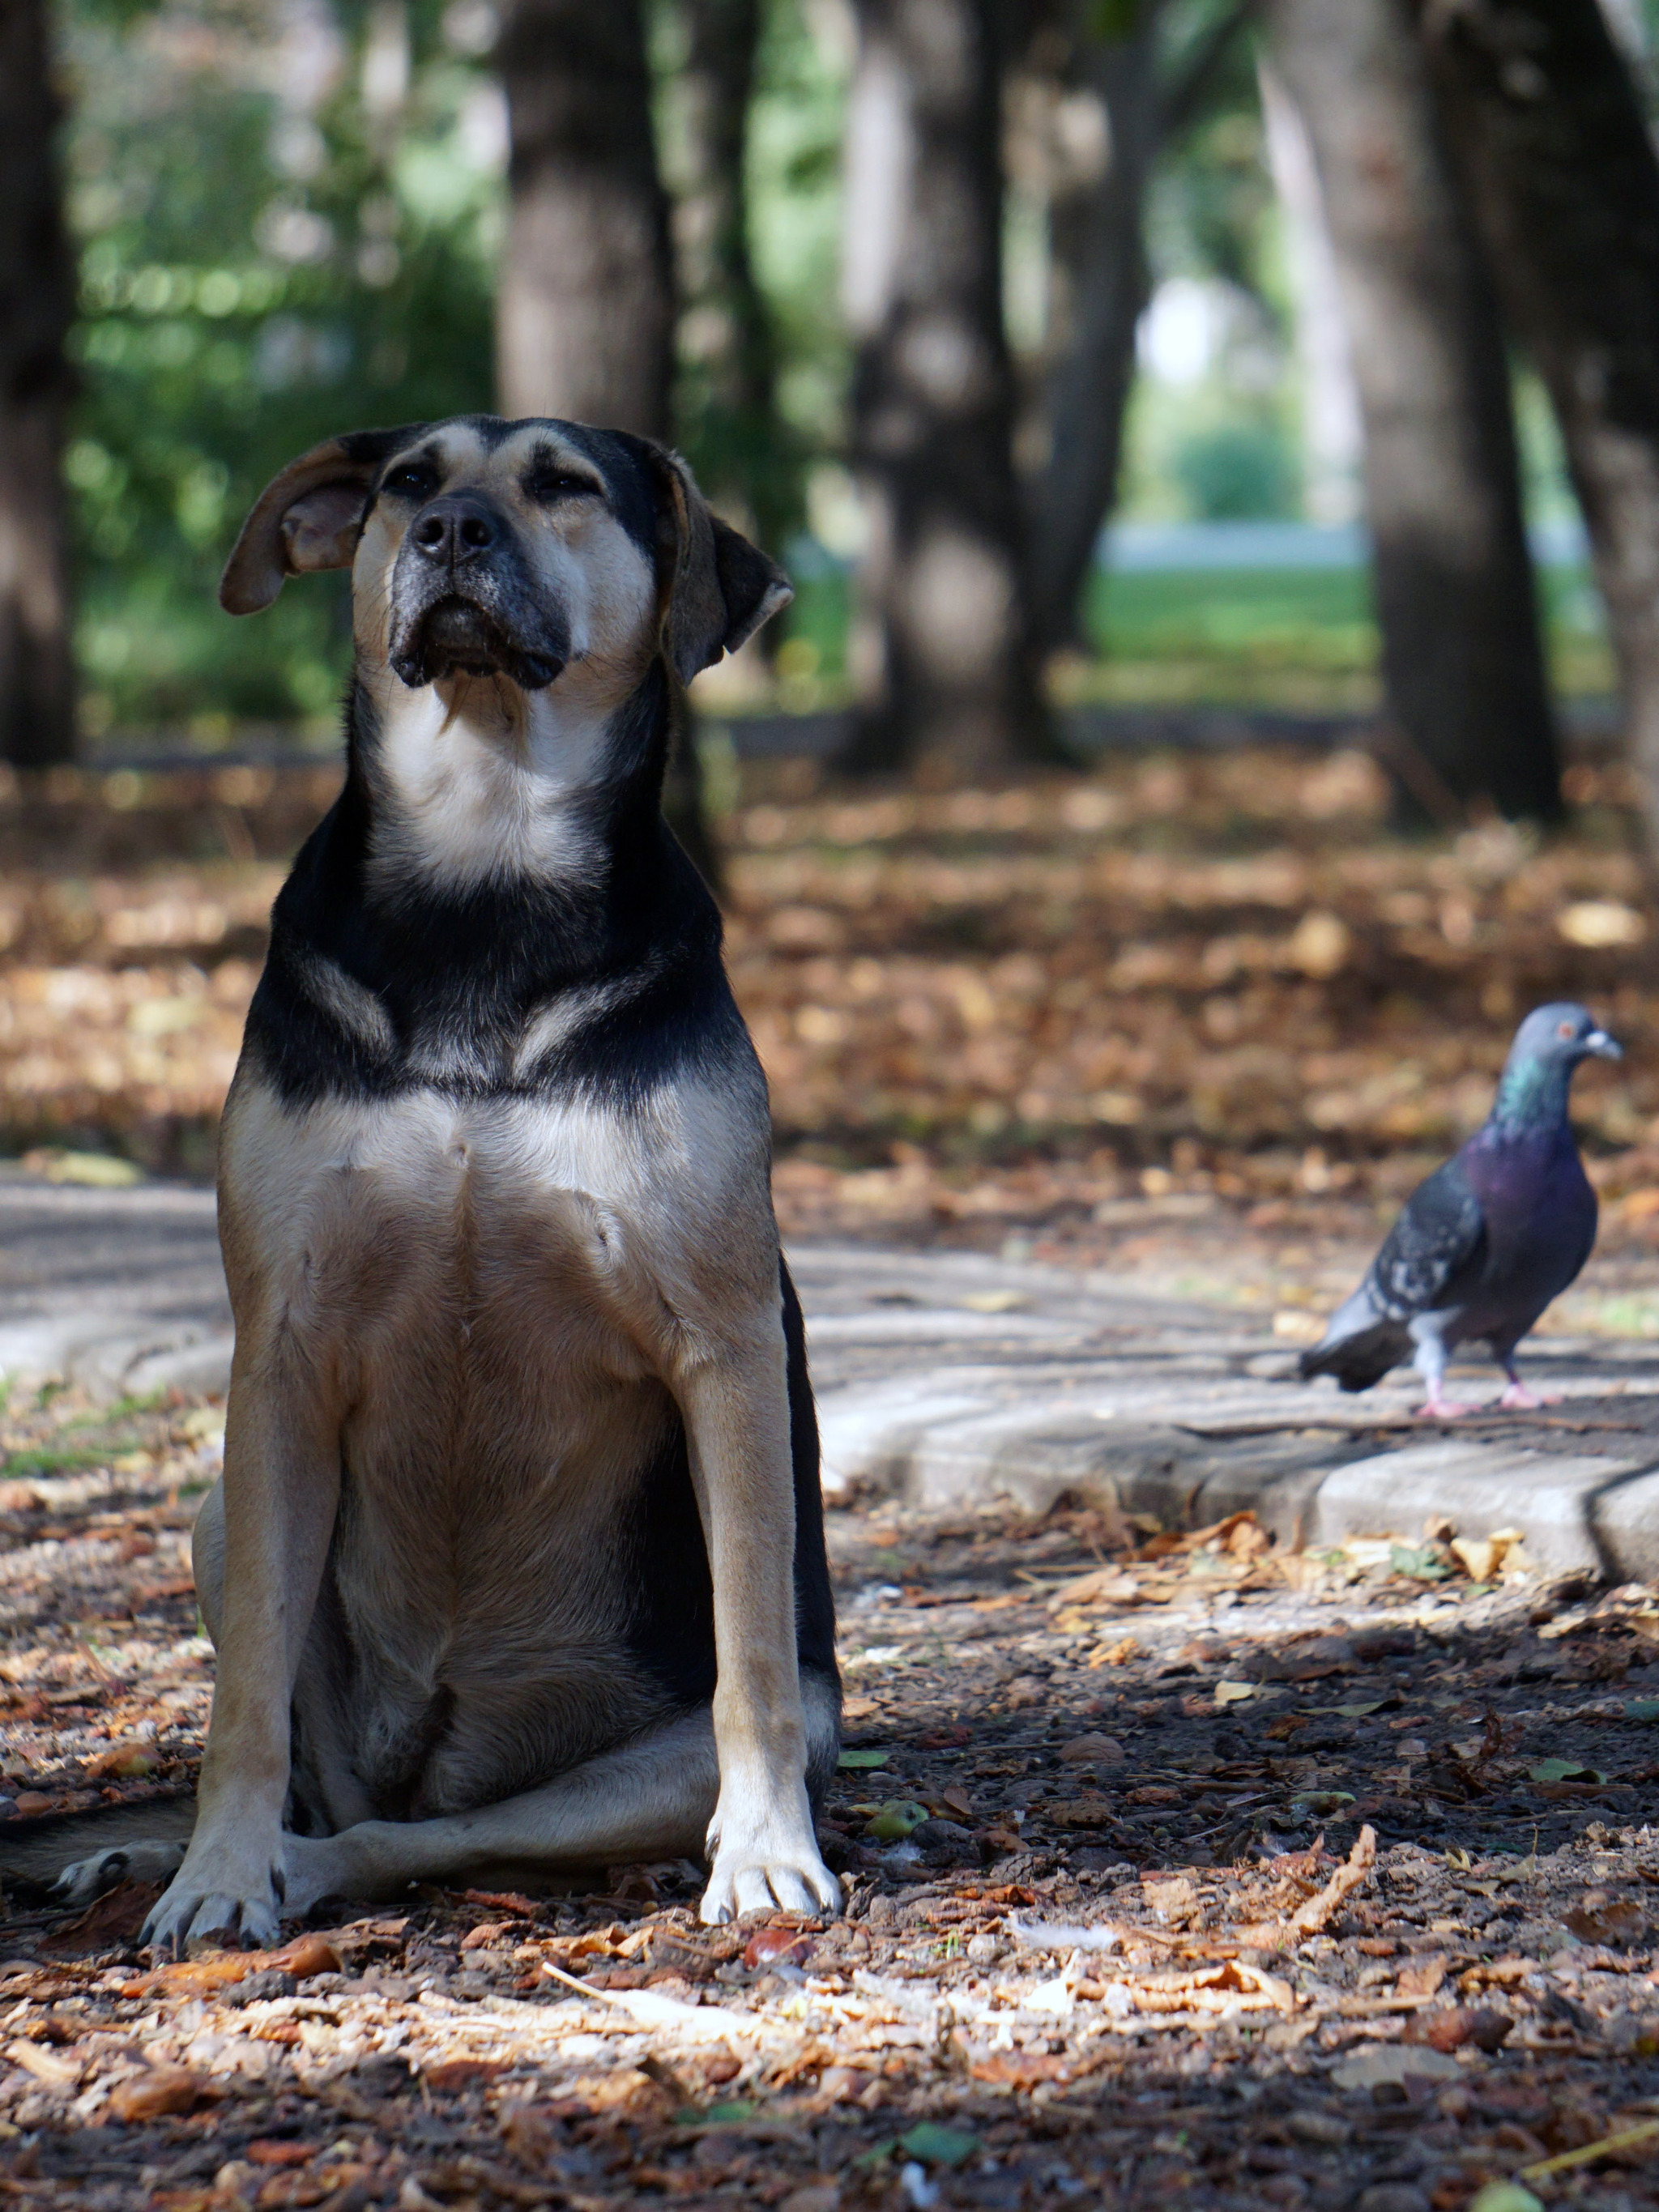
[(942, 646), (37, 725), (1102, 284), (727, 398), (1549, 133), (1466, 702), (585, 314)]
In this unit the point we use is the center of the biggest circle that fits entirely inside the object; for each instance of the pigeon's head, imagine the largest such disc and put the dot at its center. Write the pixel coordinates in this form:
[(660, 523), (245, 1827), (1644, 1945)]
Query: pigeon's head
[(1560, 1036)]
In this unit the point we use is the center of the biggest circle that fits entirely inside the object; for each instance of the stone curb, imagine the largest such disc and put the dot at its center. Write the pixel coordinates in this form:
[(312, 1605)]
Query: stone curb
[(948, 1378)]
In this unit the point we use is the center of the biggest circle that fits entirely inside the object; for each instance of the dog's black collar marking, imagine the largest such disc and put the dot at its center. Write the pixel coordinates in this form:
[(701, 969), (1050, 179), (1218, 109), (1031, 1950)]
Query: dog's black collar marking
[(457, 972)]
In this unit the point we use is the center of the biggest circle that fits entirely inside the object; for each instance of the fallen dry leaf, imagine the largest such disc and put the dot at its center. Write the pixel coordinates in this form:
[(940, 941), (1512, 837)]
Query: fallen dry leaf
[(160, 2090), (1230, 1986), (51, 2067)]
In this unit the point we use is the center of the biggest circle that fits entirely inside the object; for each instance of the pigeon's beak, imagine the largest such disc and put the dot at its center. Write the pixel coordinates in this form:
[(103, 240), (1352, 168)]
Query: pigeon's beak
[(1603, 1046)]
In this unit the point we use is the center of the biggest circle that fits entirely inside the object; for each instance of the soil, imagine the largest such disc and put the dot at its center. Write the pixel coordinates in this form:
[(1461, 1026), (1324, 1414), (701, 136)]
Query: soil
[(1176, 1865)]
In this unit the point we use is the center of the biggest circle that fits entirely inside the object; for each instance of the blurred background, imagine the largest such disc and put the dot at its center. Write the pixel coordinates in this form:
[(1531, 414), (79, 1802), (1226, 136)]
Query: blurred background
[(1216, 444)]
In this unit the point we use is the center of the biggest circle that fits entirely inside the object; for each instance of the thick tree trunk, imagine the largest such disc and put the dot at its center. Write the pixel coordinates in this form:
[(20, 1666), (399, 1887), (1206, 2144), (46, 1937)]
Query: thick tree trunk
[(585, 314), (942, 646), (1100, 282), (36, 292), (1101, 285), (1466, 699), (727, 405), (1548, 131)]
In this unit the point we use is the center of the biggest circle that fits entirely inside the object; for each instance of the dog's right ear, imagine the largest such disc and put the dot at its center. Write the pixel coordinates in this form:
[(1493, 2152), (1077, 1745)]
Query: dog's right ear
[(308, 518)]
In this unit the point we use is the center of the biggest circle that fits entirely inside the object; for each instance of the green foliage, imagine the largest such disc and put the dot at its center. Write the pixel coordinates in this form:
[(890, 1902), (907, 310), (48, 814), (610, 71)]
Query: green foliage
[(1238, 471), (266, 259)]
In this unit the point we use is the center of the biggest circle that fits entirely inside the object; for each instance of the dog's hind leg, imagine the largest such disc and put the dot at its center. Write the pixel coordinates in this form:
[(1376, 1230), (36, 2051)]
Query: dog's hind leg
[(651, 1799)]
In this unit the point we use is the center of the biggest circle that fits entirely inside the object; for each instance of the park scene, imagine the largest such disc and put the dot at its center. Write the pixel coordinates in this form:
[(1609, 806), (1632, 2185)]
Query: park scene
[(1181, 847)]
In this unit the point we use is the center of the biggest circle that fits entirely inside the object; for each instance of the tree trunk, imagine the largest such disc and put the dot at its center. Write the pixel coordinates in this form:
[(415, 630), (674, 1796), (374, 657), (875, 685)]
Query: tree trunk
[(37, 723), (1467, 707), (585, 315), (1101, 285), (727, 403), (941, 645), (1548, 130)]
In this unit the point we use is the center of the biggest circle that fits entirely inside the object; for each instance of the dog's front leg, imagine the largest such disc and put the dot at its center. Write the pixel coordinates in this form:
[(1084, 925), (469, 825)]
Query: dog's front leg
[(761, 1840), (281, 1486)]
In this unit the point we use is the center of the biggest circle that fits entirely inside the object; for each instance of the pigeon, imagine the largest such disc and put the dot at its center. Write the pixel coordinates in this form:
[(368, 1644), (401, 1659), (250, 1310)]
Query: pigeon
[(1483, 1246)]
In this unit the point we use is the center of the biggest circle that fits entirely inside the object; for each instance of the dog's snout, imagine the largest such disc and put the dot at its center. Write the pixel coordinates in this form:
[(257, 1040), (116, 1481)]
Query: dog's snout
[(451, 531)]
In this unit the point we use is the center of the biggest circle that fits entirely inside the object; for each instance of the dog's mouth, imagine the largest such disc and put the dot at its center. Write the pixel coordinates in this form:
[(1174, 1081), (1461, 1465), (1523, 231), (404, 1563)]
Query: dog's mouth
[(454, 636)]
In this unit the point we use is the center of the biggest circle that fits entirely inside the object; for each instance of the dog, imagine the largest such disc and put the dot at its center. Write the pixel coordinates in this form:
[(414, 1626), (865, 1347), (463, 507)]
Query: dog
[(518, 1558)]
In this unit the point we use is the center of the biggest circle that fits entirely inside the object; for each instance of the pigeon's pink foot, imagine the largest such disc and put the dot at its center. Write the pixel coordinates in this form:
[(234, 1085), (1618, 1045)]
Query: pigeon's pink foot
[(1443, 1409), (1518, 1399)]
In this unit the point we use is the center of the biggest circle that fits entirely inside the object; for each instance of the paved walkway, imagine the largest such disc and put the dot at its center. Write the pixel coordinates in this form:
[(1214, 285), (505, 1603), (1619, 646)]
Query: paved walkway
[(944, 1378)]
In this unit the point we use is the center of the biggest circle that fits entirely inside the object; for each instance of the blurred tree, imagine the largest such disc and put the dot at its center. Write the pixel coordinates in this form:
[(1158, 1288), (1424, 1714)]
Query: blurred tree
[(726, 398), (1144, 68), (1548, 131), (37, 289), (284, 220), (586, 309), (584, 312), (941, 651), (1466, 696)]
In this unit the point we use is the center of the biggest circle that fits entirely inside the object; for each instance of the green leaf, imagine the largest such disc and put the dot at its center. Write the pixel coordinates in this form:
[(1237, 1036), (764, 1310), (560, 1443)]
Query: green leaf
[(935, 2145), (1321, 1804), (1564, 1770), (739, 2108), (894, 1822), (1114, 19), (876, 2152), (1420, 1563), (855, 1760), (1504, 2197), (1642, 1708)]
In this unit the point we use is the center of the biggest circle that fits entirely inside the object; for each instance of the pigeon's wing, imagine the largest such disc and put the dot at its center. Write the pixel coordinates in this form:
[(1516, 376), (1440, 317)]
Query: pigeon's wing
[(1439, 1238), (1359, 1346), (1438, 1243)]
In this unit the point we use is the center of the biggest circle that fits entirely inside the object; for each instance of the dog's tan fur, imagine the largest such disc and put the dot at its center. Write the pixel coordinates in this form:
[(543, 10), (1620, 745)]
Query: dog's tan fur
[(485, 1308)]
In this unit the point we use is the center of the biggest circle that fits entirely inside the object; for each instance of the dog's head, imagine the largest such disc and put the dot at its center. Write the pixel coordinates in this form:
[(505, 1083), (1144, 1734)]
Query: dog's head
[(509, 549)]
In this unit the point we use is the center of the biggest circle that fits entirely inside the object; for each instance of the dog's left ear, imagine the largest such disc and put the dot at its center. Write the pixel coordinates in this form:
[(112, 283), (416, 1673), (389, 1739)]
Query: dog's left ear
[(718, 587), (308, 517)]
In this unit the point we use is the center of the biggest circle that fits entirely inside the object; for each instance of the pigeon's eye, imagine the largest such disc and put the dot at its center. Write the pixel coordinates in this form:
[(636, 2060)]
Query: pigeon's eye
[(1566, 1029)]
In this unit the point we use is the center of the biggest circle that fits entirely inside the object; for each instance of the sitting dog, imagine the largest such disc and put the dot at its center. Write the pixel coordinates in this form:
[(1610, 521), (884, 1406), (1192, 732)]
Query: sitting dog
[(518, 1558)]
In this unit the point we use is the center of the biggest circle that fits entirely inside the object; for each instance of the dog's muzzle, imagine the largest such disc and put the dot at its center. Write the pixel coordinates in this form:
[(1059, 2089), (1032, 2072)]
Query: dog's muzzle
[(460, 603)]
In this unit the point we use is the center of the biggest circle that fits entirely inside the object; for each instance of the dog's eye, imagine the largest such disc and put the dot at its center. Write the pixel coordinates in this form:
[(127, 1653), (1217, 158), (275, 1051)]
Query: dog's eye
[(413, 481), (547, 485)]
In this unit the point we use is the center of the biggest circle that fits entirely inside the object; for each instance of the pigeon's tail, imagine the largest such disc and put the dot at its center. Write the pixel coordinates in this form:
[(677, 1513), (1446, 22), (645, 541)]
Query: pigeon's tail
[(1360, 1346)]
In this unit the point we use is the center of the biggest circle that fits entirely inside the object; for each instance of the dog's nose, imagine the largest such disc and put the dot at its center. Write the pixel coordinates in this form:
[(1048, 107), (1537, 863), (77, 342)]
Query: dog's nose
[(453, 530)]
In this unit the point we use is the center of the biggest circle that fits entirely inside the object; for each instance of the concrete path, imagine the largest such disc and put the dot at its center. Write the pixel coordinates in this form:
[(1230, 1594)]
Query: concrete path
[(945, 1378)]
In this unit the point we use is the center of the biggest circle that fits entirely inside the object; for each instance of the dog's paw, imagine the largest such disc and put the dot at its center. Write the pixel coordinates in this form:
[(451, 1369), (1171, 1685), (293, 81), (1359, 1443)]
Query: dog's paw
[(86, 1879), (215, 1903), (761, 1880)]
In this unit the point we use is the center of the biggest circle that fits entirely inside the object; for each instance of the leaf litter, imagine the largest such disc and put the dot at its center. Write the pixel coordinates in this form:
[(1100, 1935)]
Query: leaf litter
[(1241, 1876), (1201, 1984)]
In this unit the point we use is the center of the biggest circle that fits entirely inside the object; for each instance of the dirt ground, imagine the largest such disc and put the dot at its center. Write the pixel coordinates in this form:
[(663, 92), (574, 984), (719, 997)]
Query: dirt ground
[(1173, 1865), (1176, 1867)]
